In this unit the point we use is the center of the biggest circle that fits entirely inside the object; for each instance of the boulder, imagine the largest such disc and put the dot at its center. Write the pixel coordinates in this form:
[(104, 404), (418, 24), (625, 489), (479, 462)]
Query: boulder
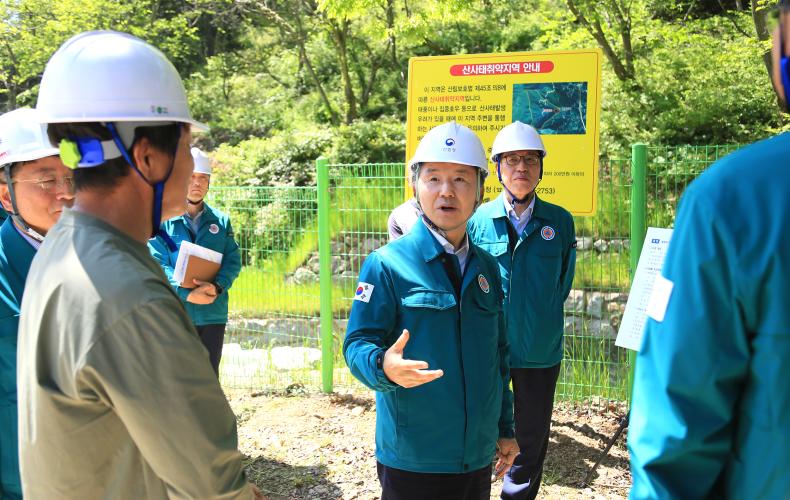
[(600, 328), (573, 325), (304, 275), (584, 243), (575, 302), (295, 358), (595, 305), (314, 263)]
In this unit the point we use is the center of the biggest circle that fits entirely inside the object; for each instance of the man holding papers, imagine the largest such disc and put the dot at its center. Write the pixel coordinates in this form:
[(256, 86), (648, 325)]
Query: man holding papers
[(204, 262)]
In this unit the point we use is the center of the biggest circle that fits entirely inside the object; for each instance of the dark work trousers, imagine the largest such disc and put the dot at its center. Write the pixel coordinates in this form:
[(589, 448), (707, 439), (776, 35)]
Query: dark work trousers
[(397, 484), (211, 336), (533, 392)]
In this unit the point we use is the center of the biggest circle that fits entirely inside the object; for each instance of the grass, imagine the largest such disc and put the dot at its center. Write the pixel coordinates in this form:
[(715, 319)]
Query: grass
[(602, 271), (258, 292), (593, 368)]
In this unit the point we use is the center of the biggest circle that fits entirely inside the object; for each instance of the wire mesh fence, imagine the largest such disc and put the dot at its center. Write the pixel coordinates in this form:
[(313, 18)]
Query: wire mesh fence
[(669, 171), (594, 369), (272, 335), (274, 330)]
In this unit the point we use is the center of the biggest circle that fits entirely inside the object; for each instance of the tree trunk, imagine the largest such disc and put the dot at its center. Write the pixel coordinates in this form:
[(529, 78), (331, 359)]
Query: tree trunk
[(340, 34), (760, 18), (624, 72), (300, 37)]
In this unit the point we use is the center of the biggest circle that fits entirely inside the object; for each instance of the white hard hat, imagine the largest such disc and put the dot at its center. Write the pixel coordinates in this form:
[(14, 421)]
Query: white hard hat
[(23, 137), (107, 76), (452, 143), (202, 163), (515, 137)]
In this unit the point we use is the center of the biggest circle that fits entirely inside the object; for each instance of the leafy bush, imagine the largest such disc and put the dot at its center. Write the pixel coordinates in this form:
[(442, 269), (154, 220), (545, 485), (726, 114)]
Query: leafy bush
[(380, 141), (286, 158)]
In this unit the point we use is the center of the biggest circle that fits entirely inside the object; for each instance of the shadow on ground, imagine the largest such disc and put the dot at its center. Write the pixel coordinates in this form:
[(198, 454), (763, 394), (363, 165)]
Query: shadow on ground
[(280, 481), (575, 448)]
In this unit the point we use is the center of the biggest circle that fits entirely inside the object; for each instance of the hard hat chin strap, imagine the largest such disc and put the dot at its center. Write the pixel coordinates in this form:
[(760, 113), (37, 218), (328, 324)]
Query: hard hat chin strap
[(15, 216), (528, 197), (158, 187)]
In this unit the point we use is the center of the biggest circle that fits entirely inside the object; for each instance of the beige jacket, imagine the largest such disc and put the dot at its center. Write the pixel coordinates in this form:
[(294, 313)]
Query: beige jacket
[(117, 398)]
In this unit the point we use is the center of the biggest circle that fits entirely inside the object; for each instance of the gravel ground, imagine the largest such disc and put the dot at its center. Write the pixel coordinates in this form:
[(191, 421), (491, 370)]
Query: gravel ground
[(311, 446)]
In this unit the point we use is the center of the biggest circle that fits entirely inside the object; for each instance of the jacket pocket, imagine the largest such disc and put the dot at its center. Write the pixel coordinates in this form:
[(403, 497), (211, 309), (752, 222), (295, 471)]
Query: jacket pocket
[(494, 248), (430, 299)]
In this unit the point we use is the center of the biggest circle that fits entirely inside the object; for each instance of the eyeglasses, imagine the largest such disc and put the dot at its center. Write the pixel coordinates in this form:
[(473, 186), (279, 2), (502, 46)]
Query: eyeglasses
[(50, 185), (513, 159)]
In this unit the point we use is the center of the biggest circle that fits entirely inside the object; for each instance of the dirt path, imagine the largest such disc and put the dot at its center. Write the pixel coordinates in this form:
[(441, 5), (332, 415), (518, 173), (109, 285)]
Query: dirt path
[(309, 446)]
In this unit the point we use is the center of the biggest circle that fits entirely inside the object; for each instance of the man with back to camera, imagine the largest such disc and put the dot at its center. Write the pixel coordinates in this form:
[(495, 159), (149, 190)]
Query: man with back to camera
[(710, 413), (534, 243), (117, 398), (426, 332), (205, 302), (35, 186)]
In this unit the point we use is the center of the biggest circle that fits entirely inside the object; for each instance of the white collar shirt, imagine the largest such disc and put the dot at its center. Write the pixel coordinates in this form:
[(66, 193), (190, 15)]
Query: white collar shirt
[(462, 252), (519, 221)]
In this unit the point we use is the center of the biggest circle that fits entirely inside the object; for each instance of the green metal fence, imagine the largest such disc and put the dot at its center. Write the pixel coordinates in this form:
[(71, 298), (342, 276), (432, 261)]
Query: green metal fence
[(272, 335), (284, 299)]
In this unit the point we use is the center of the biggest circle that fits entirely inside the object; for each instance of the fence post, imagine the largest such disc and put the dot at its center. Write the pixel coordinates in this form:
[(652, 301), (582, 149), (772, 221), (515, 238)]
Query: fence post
[(325, 274), (638, 226)]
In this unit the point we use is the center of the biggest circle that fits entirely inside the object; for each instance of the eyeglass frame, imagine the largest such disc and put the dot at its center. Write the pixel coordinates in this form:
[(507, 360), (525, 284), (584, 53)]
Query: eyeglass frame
[(534, 160), (67, 182)]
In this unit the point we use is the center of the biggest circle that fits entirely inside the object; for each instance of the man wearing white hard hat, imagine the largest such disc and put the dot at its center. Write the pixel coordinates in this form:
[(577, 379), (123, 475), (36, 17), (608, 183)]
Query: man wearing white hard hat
[(117, 398), (205, 302), (534, 242), (427, 333), (34, 188)]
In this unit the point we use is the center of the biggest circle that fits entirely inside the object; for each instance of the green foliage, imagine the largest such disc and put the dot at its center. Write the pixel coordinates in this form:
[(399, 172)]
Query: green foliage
[(289, 80), (31, 31), (284, 159), (382, 141), (288, 157)]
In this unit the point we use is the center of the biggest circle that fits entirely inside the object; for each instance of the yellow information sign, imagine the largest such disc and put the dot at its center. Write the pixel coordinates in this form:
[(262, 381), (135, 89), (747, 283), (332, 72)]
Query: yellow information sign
[(558, 93)]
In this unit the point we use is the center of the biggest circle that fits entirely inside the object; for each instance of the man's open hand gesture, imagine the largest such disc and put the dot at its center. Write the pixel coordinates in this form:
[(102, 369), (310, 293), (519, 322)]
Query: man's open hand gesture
[(406, 372)]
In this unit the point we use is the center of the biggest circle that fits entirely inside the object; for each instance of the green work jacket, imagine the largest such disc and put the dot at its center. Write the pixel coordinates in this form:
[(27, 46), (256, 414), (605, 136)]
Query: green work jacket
[(537, 272), (449, 425), (710, 411), (16, 254), (216, 233)]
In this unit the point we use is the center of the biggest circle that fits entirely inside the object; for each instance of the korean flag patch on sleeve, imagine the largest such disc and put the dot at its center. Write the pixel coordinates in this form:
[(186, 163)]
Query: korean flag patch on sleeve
[(364, 291)]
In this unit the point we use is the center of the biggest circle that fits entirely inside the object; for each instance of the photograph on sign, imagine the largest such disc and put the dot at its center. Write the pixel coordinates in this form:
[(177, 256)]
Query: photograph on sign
[(552, 108)]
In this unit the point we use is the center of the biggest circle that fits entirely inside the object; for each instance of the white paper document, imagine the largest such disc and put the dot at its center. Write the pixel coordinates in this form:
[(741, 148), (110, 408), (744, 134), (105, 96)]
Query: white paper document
[(185, 250), (640, 298)]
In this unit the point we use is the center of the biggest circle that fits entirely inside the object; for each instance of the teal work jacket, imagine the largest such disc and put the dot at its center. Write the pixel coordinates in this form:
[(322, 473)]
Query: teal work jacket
[(214, 232), (449, 425), (710, 411), (537, 273), (16, 254)]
